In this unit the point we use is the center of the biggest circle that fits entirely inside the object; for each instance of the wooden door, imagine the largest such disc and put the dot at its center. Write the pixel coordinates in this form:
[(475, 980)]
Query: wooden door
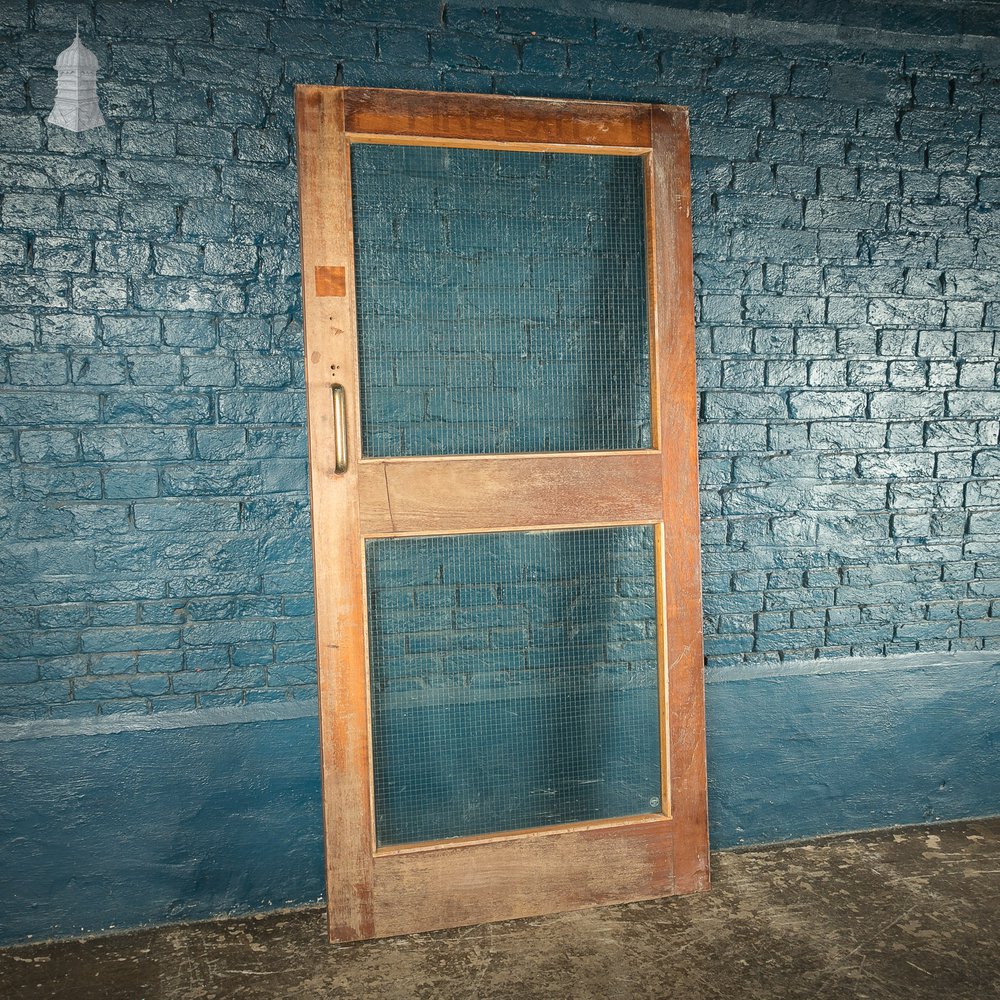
[(450, 493)]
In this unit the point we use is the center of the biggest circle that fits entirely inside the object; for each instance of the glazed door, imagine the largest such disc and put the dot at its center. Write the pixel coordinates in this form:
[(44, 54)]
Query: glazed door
[(499, 339)]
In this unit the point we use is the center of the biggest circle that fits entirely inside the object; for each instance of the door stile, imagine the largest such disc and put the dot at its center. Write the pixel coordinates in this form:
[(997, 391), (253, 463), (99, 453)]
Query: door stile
[(330, 328), (677, 417)]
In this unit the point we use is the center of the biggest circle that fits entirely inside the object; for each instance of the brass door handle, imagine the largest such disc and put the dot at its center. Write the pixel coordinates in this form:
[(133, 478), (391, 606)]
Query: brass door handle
[(339, 430)]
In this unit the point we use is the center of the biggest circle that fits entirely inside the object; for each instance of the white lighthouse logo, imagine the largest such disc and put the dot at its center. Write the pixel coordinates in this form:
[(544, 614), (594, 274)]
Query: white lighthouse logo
[(76, 105)]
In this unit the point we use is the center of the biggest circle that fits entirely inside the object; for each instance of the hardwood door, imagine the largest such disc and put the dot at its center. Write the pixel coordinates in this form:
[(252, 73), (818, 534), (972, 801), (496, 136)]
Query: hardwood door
[(499, 342)]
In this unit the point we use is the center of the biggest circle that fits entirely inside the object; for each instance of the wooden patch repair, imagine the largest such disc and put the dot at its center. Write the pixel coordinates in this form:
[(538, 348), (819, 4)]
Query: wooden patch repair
[(331, 281)]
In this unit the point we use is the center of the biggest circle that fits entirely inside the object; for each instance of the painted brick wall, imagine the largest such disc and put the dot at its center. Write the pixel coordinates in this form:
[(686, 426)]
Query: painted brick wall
[(154, 495)]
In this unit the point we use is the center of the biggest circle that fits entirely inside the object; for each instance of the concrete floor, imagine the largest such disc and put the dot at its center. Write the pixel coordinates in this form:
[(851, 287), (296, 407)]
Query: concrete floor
[(910, 913)]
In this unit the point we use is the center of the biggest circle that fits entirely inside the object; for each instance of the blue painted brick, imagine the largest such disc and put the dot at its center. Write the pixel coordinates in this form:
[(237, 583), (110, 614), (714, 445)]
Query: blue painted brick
[(139, 407), (220, 442), (206, 142), (183, 515), (139, 637), (154, 369), (19, 672), (20, 132), (191, 682), (130, 331), (474, 52), (193, 331), (48, 445)]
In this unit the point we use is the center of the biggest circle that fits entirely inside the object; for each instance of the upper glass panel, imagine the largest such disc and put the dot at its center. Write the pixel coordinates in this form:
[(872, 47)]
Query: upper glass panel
[(502, 301)]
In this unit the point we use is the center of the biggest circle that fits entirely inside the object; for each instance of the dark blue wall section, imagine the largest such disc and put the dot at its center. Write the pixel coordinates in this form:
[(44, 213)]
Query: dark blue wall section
[(156, 563), (851, 745), (133, 827)]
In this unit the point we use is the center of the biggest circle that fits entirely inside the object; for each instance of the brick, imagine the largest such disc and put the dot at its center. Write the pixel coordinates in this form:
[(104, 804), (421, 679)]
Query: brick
[(50, 692), (826, 404), (248, 183), (208, 371), (790, 639), (896, 465), (766, 243), (93, 213), (973, 404), (55, 254), (122, 256), (20, 132), (130, 482), (145, 19), (230, 258), (106, 640), (140, 61), (122, 444), (814, 114), (744, 406), (211, 479), (754, 76), (901, 405), (932, 218), (237, 106), (130, 331), (204, 141), (262, 407), (13, 250), (138, 407), (177, 259), (869, 216), (543, 57), (324, 38), (37, 369), (154, 369), (151, 217), (186, 515), (972, 343), (34, 407), (796, 180), (727, 142), (148, 139), (48, 445), (138, 178), (240, 28), (985, 522), (273, 372), (186, 295), (785, 309), (102, 294), (99, 369), (906, 312)]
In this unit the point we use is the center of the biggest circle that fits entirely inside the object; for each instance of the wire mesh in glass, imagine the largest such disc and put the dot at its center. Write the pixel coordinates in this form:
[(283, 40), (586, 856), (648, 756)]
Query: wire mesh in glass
[(502, 301), (514, 681)]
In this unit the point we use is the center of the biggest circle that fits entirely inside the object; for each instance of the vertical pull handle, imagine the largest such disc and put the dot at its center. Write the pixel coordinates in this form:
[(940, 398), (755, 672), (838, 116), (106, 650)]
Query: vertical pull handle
[(339, 430)]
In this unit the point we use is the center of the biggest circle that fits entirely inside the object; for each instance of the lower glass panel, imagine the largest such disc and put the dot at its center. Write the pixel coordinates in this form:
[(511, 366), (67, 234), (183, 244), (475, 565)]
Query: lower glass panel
[(514, 681)]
